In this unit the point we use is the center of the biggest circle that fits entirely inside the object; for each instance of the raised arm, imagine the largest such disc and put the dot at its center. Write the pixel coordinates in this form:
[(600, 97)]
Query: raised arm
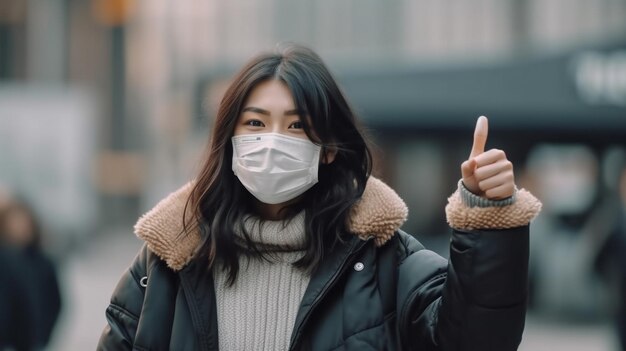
[(477, 300)]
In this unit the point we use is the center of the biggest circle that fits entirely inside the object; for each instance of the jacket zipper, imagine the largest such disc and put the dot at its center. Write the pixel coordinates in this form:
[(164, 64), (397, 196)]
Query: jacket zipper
[(196, 319), (327, 287)]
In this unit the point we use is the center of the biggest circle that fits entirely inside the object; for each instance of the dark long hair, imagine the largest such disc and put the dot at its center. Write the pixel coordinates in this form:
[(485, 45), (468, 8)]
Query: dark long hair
[(218, 202)]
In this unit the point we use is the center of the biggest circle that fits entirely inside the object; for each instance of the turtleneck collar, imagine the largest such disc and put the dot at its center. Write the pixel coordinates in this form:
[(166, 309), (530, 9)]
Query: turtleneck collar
[(276, 235)]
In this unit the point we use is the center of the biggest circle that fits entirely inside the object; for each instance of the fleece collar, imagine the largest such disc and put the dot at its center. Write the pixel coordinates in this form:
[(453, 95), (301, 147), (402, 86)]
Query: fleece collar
[(379, 213)]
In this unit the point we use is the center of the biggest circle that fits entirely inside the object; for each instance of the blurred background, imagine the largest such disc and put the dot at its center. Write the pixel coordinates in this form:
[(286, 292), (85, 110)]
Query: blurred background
[(106, 105)]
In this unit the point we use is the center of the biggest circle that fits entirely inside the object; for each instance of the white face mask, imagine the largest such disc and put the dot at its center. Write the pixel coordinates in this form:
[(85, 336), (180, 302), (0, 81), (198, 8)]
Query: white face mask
[(275, 168)]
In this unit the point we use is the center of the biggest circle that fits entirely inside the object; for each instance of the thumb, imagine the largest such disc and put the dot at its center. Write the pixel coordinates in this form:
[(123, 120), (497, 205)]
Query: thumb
[(480, 136)]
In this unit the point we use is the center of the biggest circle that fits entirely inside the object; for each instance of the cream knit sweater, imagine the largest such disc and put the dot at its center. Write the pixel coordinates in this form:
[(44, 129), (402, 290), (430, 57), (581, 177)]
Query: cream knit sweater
[(258, 312)]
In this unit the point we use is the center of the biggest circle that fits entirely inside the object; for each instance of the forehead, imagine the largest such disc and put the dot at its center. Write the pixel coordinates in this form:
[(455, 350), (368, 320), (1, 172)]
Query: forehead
[(271, 93)]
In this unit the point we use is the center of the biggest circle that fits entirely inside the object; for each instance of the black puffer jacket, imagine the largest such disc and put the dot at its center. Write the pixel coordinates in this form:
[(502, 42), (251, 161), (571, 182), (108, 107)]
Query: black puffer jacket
[(404, 297)]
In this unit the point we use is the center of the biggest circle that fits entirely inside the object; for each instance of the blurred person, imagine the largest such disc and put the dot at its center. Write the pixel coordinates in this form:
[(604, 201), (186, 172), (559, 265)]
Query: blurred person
[(39, 296), (285, 241), (16, 322)]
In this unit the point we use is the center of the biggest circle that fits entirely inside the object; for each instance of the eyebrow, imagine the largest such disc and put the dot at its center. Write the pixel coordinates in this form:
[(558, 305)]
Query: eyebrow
[(267, 113)]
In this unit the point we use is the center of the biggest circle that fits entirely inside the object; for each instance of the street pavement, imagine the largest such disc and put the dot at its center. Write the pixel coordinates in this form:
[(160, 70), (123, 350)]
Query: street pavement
[(89, 276)]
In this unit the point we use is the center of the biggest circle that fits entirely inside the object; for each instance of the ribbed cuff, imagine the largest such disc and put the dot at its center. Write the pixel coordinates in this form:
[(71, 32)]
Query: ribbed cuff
[(472, 200)]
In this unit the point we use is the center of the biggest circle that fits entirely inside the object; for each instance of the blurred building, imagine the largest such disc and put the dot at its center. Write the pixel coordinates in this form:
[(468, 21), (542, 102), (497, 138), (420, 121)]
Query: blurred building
[(106, 105), (149, 73), (172, 49)]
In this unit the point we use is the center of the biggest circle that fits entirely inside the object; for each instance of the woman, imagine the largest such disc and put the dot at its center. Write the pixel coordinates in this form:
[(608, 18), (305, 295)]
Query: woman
[(285, 241)]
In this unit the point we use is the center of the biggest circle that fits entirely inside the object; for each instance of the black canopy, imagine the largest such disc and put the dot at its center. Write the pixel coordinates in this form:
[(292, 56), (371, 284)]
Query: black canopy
[(573, 95)]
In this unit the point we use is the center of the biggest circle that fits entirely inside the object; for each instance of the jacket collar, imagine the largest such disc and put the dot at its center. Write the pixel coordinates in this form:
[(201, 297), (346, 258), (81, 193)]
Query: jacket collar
[(378, 214)]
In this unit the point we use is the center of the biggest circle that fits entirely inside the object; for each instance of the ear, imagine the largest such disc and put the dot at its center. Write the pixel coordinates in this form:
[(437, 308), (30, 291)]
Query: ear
[(328, 155)]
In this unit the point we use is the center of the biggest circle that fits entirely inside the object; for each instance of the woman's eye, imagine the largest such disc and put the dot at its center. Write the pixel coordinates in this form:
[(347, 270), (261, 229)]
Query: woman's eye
[(296, 125), (255, 123)]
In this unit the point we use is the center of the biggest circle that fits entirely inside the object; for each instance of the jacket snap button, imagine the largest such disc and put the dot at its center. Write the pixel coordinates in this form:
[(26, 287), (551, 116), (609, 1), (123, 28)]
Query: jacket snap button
[(359, 266), (143, 282)]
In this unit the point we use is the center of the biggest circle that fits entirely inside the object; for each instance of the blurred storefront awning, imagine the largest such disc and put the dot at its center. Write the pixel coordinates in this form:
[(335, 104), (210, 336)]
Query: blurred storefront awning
[(579, 94)]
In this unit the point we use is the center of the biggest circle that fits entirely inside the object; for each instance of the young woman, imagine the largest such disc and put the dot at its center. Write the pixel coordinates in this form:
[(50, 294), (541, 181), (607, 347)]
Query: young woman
[(285, 242)]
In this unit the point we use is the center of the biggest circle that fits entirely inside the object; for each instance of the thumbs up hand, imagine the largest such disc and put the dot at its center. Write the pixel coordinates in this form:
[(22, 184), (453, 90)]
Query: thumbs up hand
[(488, 174)]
